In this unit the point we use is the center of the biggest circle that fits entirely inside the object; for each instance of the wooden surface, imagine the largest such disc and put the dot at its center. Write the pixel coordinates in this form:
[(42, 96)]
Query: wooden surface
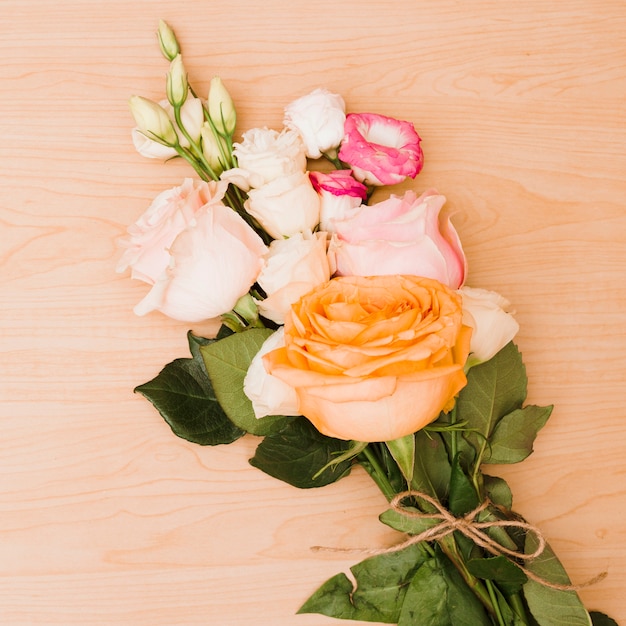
[(106, 517)]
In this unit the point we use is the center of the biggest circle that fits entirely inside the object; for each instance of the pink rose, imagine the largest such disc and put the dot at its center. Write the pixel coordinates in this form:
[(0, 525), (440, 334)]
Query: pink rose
[(381, 150), (401, 235), (339, 193), (146, 247), (213, 262)]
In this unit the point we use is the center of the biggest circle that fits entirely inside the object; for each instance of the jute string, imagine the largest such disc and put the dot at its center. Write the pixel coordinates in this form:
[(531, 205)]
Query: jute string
[(469, 526)]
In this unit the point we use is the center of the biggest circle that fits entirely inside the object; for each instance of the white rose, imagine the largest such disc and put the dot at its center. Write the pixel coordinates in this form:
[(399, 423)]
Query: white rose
[(292, 268), (266, 154), (493, 325), (319, 118), (268, 394), (285, 206), (192, 118), (213, 262)]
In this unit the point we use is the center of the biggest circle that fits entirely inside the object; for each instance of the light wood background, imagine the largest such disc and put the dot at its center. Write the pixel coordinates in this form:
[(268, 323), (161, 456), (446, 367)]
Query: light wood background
[(106, 517)]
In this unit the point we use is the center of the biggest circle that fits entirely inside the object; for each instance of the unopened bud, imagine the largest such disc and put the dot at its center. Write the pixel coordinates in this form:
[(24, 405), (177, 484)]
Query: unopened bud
[(167, 41), (213, 148), (153, 121), (221, 107), (177, 85)]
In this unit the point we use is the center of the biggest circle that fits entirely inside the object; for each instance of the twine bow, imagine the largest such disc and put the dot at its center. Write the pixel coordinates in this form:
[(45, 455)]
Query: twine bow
[(469, 526)]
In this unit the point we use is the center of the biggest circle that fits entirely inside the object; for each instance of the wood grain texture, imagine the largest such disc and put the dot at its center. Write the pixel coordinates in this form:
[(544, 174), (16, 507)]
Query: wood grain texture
[(107, 518)]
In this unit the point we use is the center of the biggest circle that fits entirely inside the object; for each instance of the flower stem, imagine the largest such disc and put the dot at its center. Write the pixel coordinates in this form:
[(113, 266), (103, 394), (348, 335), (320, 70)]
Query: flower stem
[(373, 468), (449, 547), (494, 603)]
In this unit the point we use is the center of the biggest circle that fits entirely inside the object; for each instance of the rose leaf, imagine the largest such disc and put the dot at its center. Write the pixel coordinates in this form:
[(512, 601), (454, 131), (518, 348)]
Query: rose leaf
[(493, 390), (381, 584), (549, 606), (513, 437), (183, 395), (600, 619), (498, 491), (438, 596), (227, 361), (299, 452), (431, 472)]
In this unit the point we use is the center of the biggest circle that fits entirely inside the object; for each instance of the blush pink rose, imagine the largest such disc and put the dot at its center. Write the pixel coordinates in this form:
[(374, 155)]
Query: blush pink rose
[(401, 235), (339, 194), (149, 238), (213, 263), (381, 150)]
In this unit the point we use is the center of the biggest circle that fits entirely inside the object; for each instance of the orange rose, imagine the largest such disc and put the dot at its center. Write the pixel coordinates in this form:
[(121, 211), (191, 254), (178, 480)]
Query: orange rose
[(374, 358)]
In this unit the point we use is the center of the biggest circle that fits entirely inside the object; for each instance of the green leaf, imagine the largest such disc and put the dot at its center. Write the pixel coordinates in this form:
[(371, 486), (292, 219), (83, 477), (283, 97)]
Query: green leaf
[(438, 596), (227, 362), (463, 497), (498, 491), (493, 390), (298, 452), (510, 616), (406, 524), (195, 343), (504, 572), (183, 395), (381, 584), (431, 473), (600, 619), (551, 607), (513, 436), (403, 452)]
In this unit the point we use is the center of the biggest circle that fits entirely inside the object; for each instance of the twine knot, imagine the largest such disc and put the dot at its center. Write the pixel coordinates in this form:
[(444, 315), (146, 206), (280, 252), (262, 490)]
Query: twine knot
[(446, 523)]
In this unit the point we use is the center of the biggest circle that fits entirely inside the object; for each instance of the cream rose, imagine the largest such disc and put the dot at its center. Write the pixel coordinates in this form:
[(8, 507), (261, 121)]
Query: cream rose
[(374, 358), (493, 325), (285, 206), (269, 395), (293, 267), (264, 155), (319, 117)]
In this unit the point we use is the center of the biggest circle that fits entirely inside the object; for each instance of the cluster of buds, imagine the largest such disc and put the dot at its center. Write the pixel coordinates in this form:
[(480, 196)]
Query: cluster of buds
[(200, 132)]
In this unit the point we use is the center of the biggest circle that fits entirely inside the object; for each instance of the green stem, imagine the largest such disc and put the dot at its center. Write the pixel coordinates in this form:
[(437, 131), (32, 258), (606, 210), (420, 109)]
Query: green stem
[(494, 602), (453, 434), (515, 601), (449, 547), (194, 147), (372, 467)]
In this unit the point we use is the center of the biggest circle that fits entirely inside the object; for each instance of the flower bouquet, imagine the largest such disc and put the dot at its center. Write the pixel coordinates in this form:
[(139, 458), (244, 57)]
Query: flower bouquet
[(348, 337)]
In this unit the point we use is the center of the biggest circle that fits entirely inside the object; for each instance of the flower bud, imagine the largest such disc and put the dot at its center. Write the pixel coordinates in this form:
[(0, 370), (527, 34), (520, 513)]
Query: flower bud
[(177, 85), (167, 41), (213, 148), (153, 121), (221, 107)]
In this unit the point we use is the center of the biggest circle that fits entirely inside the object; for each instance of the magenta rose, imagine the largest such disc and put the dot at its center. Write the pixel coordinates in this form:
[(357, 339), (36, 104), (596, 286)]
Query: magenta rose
[(401, 235), (381, 150)]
